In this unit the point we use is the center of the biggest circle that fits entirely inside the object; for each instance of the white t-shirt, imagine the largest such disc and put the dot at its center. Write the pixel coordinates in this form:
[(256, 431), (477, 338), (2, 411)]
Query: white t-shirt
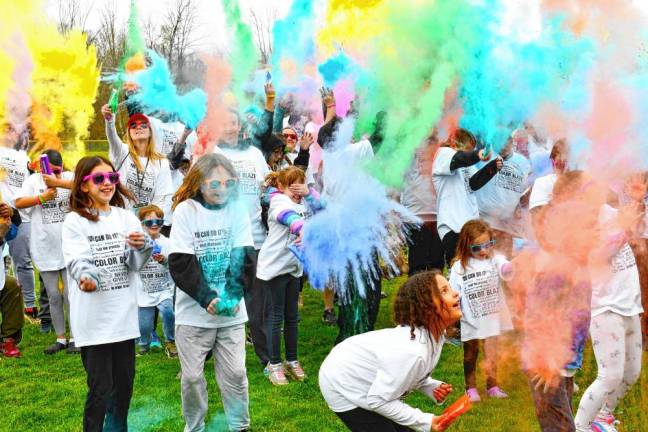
[(157, 284), (210, 235), (352, 154), (275, 259), (456, 203), (374, 370), (252, 170), (483, 304), (616, 289), (108, 314), (166, 135), (153, 186), (542, 191), (46, 222), (14, 164), (498, 199), (419, 195)]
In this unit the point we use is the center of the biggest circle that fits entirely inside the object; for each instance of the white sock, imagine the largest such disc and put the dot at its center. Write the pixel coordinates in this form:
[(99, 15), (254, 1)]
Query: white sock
[(62, 341)]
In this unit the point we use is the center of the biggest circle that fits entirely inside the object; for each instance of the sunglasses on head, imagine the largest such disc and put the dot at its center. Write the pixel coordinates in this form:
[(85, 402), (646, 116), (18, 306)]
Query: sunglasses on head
[(153, 222), (100, 178), (138, 124), (218, 184), (476, 248)]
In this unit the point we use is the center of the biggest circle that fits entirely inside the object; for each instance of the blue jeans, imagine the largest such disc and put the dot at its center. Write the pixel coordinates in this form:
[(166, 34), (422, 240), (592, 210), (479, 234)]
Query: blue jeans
[(146, 317)]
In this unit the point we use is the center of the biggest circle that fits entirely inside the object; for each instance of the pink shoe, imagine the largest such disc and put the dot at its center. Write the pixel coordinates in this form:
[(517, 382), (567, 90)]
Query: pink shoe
[(473, 395), (496, 392)]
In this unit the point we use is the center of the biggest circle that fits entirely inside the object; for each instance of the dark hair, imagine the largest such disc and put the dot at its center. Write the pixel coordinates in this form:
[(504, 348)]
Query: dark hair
[(418, 303), (80, 202), (469, 232), (54, 157)]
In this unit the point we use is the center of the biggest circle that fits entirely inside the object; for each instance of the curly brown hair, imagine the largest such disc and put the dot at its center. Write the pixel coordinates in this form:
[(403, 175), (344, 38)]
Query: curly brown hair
[(418, 304)]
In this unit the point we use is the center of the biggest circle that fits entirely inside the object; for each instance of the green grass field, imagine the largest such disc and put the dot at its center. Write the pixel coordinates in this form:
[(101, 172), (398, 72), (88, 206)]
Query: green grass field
[(39, 393)]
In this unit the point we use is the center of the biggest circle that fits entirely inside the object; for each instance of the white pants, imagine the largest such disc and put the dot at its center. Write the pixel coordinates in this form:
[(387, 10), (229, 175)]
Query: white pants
[(616, 340), (228, 347)]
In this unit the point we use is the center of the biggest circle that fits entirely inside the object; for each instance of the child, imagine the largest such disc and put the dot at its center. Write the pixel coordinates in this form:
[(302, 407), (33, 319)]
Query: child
[(364, 377), (157, 287), (104, 248), (46, 199), (280, 271), (210, 238), (476, 275)]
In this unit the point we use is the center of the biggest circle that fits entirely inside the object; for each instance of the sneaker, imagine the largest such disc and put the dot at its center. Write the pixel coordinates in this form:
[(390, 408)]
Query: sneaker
[(170, 349), (156, 344), (54, 348), (276, 374), (8, 348), (496, 393), (609, 421), (142, 351), (473, 395), (73, 349), (329, 317), (45, 327), (383, 295), (248, 340), (294, 370)]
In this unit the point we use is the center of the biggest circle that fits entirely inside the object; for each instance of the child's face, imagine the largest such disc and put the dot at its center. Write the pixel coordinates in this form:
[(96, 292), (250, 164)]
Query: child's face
[(152, 224), (481, 247), (101, 193), (217, 186), (449, 299)]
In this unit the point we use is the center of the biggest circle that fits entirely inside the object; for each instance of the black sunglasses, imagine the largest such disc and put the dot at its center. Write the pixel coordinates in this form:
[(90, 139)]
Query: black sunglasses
[(153, 222)]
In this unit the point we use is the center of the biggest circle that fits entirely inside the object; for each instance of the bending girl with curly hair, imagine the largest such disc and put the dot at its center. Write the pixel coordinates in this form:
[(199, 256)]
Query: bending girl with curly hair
[(364, 378)]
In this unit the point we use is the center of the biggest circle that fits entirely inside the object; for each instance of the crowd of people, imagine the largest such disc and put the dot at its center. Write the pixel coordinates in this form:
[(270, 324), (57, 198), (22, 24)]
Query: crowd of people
[(208, 244)]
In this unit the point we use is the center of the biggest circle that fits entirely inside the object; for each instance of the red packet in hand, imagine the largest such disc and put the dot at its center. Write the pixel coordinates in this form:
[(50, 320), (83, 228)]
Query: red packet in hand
[(452, 413)]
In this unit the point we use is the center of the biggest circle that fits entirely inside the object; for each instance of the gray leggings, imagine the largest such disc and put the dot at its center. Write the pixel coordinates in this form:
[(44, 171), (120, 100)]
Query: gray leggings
[(58, 302)]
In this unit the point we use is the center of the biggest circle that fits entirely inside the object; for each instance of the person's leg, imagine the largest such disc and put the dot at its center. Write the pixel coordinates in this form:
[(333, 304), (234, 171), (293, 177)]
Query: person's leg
[(146, 316), (123, 373), (437, 257), (11, 309), (97, 361), (470, 355), (19, 251), (44, 315), (632, 367), (56, 303), (291, 320), (258, 308), (553, 407), (231, 375), (168, 319), (449, 243), (276, 289), (608, 344), (362, 420), (418, 250), (490, 362), (328, 297), (193, 345)]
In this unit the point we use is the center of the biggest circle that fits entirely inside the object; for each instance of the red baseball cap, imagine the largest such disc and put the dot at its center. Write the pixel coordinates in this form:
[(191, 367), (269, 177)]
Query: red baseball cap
[(138, 117)]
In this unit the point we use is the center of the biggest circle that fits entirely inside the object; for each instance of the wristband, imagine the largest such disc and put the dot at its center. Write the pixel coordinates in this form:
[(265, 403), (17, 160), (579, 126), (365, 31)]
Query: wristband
[(42, 201)]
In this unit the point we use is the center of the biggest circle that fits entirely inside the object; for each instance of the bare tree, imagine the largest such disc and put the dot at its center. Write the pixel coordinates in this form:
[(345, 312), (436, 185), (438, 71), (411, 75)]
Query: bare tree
[(262, 29), (151, 33), (177, 35), (73, 14), (111, 38)]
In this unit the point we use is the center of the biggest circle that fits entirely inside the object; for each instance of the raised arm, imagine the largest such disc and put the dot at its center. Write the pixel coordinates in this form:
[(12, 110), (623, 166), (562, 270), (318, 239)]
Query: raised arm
[(118, 151)]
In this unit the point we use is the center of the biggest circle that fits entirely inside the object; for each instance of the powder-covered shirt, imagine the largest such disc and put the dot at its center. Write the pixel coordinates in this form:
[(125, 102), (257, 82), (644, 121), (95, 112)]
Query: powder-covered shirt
[(46, 222), (108, 314), (375, 370), (456, 202), (13, 173), (252, 170), (615, 288), (542, 191), (419, 195), (483, 303), (157, 284), (210, 235), (499, 198)]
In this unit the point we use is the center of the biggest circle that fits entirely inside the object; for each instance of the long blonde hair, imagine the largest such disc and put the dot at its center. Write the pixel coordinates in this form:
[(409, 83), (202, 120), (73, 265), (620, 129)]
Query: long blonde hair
[(151, 153), (190, 186)]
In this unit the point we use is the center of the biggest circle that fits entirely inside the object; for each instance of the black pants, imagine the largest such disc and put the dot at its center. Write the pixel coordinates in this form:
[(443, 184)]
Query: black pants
[(449, 243), (110, 370), (357, 314), (425, 249), (284, 300), (362, 420), (554, 408), (257, 305)]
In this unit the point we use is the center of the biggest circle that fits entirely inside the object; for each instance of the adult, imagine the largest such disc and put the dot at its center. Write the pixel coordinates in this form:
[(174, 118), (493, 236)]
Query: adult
[(11, 299)]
